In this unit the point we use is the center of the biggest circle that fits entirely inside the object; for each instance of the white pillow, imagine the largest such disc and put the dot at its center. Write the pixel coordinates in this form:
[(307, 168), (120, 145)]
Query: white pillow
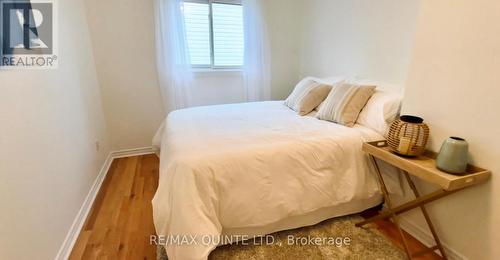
[(381, 85), (380, 111), (330, 80)]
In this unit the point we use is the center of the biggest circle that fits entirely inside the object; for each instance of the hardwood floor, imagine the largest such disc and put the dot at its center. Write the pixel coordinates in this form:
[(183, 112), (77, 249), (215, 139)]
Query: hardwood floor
[(121, 220), (390, 231)]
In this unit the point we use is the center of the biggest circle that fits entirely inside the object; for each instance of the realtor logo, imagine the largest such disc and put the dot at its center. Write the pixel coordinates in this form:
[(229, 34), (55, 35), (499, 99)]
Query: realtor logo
[(28, 35)]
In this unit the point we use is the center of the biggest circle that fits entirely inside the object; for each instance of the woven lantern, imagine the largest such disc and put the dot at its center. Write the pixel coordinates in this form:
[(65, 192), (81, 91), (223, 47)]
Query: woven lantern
[(408, 136)]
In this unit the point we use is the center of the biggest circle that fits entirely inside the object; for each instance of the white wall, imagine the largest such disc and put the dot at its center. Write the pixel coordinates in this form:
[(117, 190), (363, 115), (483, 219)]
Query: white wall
[(284, 21), (124, 49), (123, 37), (454, 84), (212, 88), (366, 38), (49, 121)]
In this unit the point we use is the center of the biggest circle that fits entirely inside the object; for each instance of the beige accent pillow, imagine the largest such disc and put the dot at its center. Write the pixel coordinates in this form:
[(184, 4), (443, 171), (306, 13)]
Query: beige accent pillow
[(307, 95), (345, 102)]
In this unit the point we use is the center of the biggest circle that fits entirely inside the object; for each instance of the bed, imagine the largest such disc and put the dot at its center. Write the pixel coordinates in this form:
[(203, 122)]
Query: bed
[(253, 169)]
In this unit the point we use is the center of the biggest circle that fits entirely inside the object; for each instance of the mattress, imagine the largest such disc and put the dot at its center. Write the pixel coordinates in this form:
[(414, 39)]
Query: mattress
[(256, 168)]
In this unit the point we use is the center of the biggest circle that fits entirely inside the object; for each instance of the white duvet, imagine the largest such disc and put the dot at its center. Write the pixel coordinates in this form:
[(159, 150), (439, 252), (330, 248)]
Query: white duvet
[(252, 164)]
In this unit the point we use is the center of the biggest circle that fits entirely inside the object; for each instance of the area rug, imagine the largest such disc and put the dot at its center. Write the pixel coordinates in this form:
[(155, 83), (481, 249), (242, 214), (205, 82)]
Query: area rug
[(336, 238)]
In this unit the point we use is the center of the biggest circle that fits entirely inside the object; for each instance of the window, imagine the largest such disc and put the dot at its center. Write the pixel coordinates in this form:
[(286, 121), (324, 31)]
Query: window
[(214, 30)]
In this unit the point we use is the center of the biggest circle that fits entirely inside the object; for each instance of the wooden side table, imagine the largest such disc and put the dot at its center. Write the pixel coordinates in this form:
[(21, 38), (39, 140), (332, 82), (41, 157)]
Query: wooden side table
[(422, 167)]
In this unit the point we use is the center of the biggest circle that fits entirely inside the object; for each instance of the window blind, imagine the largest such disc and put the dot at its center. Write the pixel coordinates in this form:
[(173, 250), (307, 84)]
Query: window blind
[(196, 16), (214, 34), (228, 34)]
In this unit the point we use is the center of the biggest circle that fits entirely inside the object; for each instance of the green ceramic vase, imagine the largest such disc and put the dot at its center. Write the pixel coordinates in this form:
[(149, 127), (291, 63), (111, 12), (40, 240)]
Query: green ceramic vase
[(453, 156)]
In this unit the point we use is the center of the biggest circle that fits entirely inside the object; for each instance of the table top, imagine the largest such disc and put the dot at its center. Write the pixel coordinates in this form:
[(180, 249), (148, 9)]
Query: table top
[(424, 167)]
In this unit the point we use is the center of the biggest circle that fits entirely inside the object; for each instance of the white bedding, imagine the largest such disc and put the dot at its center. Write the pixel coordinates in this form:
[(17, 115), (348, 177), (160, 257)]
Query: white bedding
[(254, 164)]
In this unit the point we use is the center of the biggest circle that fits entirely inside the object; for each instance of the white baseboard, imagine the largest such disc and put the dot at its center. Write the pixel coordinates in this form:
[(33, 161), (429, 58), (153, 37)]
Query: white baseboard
[(76, 227), (132, 152), (426, 238)]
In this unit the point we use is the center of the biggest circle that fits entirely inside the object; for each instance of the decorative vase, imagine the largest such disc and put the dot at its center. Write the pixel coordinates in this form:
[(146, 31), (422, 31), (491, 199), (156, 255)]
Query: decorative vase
[(453, 156), (408, 136)]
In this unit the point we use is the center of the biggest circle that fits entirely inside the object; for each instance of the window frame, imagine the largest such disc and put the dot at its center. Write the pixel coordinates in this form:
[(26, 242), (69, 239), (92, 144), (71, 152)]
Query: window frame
[(212, 65)]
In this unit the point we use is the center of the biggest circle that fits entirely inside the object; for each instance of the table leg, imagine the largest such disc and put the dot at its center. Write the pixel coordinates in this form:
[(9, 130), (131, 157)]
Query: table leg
[(426, 216), (388, 202), (409, 205)]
